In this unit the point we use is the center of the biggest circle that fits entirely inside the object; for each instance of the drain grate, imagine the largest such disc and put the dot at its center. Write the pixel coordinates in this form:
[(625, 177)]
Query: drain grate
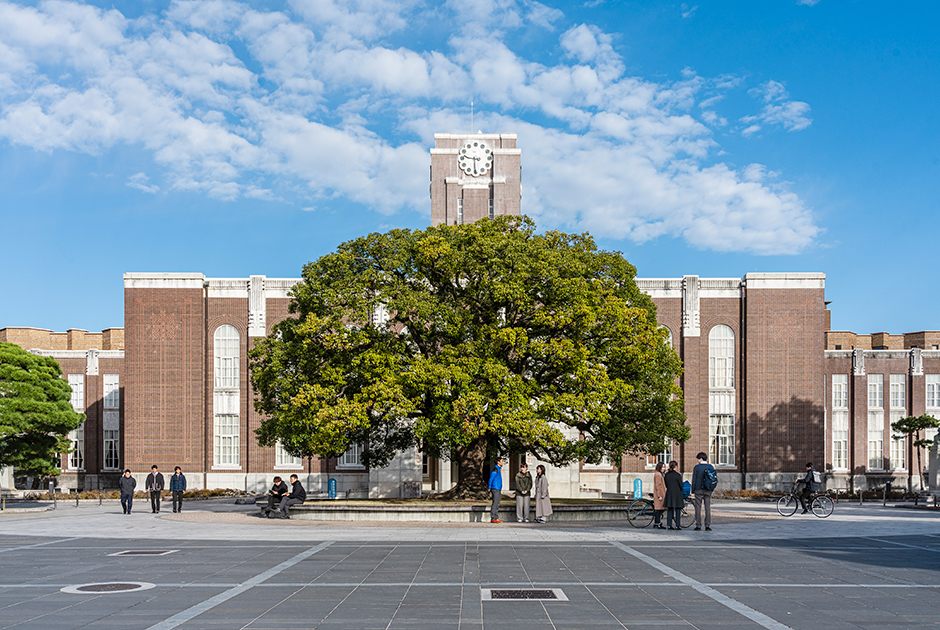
[(516, 594), (104, 588), (144, 552)]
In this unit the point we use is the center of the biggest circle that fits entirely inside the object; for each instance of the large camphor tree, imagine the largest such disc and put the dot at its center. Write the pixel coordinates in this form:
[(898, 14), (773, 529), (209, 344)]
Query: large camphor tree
[(469, 341), (35, 413)]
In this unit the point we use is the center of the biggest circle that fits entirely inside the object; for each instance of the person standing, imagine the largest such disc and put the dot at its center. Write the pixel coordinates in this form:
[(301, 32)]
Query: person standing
[(127, 484), (543, 504), (177, 487), (296, 497), (673, 499), (496, 488), (154, 486), (809, 486), (523, 487), (659, 496), (704, 480)]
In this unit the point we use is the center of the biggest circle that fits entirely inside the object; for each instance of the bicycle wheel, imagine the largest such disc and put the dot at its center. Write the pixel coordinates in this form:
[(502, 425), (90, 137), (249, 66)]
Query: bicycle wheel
[(640, 513), (686, 515), (822, 506), (786, 505)]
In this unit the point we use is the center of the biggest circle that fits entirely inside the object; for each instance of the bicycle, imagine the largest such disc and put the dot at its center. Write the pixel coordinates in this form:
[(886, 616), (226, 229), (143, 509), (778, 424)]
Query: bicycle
[(821, 504), (640, 513)]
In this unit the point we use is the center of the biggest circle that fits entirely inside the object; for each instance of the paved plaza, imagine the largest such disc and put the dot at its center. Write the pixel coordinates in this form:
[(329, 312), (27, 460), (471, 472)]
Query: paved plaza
[(218, 566)]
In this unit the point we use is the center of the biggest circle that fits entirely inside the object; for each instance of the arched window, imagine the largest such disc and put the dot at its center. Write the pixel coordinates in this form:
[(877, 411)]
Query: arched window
[(721, 395), (226, 396)]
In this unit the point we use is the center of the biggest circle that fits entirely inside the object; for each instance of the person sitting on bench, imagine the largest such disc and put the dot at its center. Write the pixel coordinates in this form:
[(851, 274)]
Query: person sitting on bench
[(278, 491), (296, 497)]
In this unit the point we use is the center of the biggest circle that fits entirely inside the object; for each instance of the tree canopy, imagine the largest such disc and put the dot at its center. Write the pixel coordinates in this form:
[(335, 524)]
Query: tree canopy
[(35, 413), (465, 340)]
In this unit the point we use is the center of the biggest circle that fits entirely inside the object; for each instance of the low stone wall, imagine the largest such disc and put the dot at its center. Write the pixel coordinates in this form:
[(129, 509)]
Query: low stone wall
[(342, 511)]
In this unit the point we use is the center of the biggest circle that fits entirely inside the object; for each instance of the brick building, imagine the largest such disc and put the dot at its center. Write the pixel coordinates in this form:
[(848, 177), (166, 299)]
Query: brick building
[(767, 385)]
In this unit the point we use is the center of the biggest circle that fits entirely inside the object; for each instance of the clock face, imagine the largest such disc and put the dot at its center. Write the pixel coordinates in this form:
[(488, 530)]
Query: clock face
[(475, 158)]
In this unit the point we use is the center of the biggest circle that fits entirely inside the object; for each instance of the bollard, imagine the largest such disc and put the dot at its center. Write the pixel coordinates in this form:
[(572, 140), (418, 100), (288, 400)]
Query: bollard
[(55, 498), (76, 497), (861, 496)]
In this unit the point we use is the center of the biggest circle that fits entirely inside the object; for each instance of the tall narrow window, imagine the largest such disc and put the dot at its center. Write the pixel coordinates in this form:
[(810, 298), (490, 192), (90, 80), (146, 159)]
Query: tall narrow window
[(721, 395), (460, 212), (898, 410), (933, 402), (77, 436), (226, 397), (112, 420), (876, 421), (840, 421), (492, 214)]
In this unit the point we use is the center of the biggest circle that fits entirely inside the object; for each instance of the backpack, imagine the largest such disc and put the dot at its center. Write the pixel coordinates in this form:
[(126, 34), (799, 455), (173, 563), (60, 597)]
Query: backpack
[(710, 478), (817, 476), (686, 489)]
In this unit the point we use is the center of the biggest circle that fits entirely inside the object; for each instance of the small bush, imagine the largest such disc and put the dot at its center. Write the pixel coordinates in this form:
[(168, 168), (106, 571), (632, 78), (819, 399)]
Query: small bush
[(741, 494)]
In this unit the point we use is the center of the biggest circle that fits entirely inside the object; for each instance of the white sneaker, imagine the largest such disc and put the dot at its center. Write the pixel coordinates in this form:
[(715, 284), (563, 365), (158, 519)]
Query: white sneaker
[(527, 520), (518, 520)]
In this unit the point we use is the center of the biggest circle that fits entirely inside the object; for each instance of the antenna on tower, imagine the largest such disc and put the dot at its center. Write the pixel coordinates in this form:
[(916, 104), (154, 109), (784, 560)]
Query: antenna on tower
[(471, 115)]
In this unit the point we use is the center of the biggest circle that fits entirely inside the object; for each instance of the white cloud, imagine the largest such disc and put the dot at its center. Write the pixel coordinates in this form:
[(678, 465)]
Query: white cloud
[(232, 101), (688, 11), (791, 115), (139, 181), (809, 3)]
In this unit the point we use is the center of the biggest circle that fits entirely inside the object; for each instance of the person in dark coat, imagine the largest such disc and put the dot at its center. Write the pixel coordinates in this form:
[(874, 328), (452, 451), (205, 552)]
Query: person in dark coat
[(177, 488), (659, 496), (296, 497), (278, 491), (523, 488), (154, 486), (674, 498), (127, 484)]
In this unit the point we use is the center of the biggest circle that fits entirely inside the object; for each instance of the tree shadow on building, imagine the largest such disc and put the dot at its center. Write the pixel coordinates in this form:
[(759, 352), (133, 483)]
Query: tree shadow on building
[(788, 436)]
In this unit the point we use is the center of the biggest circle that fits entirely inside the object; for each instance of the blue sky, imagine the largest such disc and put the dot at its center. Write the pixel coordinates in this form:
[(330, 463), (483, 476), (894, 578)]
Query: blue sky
[(235, 138)]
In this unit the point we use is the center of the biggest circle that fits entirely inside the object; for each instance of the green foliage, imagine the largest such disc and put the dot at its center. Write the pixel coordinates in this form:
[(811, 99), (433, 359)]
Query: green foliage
[(35, 414), (912, 426), (496, 334)]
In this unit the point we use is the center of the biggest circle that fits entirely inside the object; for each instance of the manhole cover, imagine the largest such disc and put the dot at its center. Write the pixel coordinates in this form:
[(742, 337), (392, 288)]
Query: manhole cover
[(144, 552), (549, 594), (103, 588)]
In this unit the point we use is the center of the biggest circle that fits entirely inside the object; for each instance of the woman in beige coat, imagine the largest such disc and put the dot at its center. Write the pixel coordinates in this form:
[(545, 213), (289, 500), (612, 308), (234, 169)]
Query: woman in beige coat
[(659, 496), (543, 505)]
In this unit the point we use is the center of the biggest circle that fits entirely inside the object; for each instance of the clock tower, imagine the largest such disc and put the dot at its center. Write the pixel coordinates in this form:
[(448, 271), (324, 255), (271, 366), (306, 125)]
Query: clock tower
[(474, 176)]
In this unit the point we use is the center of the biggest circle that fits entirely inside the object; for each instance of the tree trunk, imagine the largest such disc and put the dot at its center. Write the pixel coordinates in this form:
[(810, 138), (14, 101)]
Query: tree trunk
[(471, 481)]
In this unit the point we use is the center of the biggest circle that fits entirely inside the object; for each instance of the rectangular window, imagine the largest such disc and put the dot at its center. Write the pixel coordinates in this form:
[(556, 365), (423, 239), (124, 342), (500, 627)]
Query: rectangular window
[(460, 212), (721, 439), (876, 391), (876, 436), (283, 459), (840, 440), (840, 391), (112, 391), (492, 215), (351, 458), (933, 394), (898, 392), (77, 456), (226, 440), (77, 383), (111, 458), (898, 446)]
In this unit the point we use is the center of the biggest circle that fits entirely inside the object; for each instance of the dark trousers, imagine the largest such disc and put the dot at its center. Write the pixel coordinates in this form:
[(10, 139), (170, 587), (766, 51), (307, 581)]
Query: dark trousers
[(286, 502), (177, 500), (703, 497), (494, 509), (804, 497), (127, 502), (273, 500), (657, 516), (672, 517), (155, 500)]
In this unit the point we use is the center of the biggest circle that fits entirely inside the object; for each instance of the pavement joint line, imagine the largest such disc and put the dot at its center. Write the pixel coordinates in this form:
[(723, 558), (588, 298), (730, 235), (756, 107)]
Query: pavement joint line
[(43, 544), (742, 609), (891, 542), (500, 585), (194, 611)]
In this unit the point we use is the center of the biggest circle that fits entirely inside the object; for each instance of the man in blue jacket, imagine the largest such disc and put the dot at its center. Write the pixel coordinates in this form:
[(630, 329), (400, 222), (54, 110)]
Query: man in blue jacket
[(496, 487), (703, 494), (177, 487)]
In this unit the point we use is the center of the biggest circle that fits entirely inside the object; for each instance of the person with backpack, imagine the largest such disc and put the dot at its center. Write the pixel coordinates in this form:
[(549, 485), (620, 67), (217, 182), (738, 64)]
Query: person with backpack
[(810, 485), (704, 482)]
